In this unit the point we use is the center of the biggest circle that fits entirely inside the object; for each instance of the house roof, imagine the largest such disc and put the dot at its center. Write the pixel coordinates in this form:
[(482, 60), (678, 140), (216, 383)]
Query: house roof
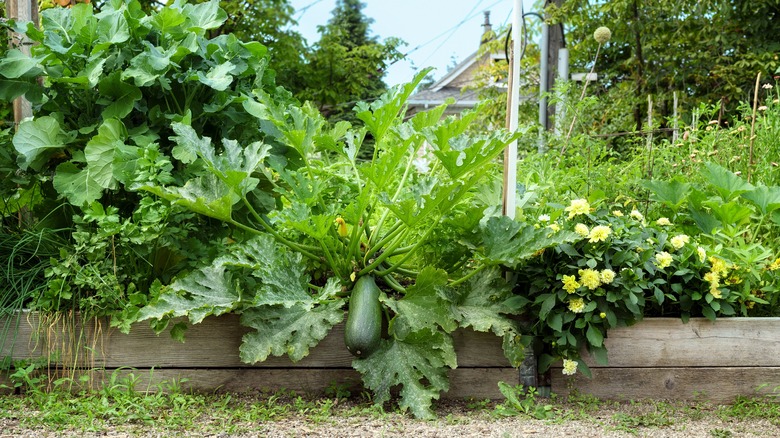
[(451, 85)]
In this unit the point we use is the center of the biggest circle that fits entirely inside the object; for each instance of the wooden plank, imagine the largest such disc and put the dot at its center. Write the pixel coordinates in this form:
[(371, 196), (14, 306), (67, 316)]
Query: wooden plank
[(214, 343), (667, 342), (719, 384), (477, 383)]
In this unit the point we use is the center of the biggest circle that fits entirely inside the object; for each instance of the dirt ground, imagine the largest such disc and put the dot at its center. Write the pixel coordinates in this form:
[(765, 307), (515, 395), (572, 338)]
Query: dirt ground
[(457, 421)]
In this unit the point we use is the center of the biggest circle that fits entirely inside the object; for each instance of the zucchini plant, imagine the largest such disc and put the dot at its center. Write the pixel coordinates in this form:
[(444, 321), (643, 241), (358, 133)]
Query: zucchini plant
[(394, 238), (305, 228)]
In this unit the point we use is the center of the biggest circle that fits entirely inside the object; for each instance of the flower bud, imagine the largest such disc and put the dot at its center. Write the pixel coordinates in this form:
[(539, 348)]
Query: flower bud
[(602, 35)]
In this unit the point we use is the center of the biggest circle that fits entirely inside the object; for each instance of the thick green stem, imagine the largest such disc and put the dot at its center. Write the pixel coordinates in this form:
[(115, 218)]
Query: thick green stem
[(409, 253), (397, 192), (329, 258), (403, 250), (278, 238), (391, 234), (382, 257), (407, 272), (390, 281), (467, 276)]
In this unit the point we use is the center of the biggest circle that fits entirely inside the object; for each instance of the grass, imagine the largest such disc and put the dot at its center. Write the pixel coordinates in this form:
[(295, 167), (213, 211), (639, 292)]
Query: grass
[(24, 257), (125, 405)]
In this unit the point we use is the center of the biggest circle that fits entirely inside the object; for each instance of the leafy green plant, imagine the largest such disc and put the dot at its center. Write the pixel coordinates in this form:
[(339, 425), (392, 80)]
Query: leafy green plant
[(522, 401), (620, 268), (304, 227), (105, 88)]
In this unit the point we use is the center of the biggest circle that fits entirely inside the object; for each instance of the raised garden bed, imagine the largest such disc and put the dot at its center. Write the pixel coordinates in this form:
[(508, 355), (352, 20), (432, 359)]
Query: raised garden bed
[(209, 358), (662, 358)]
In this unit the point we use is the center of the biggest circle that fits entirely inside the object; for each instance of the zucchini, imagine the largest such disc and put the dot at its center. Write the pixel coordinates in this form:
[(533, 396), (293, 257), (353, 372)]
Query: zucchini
[(364, 320)]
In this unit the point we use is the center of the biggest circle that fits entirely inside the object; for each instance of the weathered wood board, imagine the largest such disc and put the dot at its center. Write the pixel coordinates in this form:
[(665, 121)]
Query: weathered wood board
[(209, 358), (662, 358), (715, 384)]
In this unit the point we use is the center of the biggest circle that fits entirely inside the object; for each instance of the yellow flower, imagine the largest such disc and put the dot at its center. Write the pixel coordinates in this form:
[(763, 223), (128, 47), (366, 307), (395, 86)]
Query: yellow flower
[(607, 276), (662, 221), (617, 213), (577, 305), (733, 279), (570, 283), (775, 265), (679, 241), (599, 233), (582, 230), (554, 227), (602, 315), (713, 278), (590, 278), (569, 367), (715, 292), (578, 206), (703, 254), (637, 215), (663, 259), (718, 265), (342, 227)]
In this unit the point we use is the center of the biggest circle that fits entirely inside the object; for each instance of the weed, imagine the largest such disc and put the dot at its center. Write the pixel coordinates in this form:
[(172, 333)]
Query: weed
[(522, 401), (478, 405), (721, 433), (337, 390), (660, 415), (751, 408)]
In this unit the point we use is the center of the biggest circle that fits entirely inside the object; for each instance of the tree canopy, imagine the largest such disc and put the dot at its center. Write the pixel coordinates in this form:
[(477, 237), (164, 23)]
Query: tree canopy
[(705, 50), (347, 64)]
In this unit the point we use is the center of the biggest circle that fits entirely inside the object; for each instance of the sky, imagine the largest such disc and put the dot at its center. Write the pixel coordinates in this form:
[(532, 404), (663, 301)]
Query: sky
[(437, 32)]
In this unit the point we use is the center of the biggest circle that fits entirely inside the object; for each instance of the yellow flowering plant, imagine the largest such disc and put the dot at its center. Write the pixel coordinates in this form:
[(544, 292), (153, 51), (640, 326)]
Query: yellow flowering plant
[(617, 269)]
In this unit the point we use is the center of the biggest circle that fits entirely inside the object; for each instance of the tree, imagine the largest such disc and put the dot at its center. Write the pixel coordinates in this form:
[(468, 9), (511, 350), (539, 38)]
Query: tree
[(347, 64), (705, 50)]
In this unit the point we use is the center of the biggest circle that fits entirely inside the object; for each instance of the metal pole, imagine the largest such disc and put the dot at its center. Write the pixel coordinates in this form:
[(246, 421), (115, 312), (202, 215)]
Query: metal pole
[(543, 84), (563, 75), (510, 157)]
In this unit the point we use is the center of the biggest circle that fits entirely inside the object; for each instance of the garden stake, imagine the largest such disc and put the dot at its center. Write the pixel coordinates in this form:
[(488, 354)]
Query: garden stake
[(753, 127)]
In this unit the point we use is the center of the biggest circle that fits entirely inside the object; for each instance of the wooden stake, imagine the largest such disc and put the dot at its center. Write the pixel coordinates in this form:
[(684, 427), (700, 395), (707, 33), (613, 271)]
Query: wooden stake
[(507, 151), (753, 127), (675, 132), (649, 136)]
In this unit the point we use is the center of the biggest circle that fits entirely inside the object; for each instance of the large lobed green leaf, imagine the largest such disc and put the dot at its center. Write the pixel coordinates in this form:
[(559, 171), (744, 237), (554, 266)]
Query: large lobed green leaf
[(508, 242), (223, 286), (208, 291), (291, 331), (423, 306), (418, 363), (486, 304)]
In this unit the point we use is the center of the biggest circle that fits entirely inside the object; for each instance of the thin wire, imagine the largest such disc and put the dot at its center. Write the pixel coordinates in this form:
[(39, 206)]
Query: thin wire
[(303, 10), (469, 16)]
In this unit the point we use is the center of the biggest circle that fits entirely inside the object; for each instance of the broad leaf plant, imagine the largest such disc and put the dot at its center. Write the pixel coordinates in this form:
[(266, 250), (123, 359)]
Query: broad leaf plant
[(158, 137)]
